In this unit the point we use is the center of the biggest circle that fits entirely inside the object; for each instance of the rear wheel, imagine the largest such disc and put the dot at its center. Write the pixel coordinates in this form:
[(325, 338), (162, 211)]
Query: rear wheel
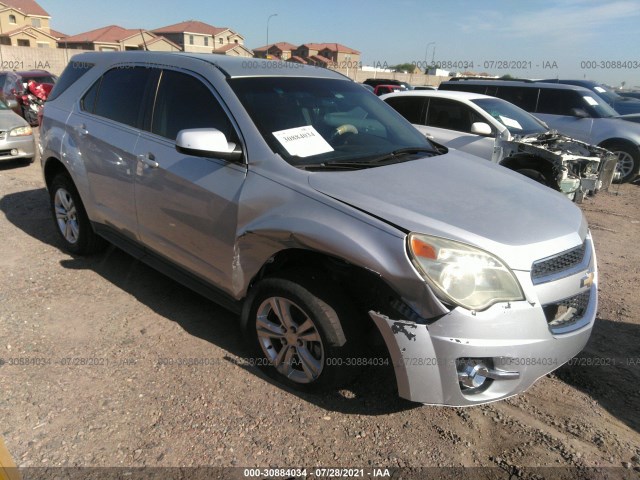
[(299, 333), (72, 223)]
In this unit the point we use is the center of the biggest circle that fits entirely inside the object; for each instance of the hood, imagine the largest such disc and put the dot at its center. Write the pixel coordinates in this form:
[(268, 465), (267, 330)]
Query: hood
[(466, 198), (9, 119)]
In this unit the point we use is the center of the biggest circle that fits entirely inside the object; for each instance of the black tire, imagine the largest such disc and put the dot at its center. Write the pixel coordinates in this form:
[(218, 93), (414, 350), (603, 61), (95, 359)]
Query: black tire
[(539, 177), (70, 218), (326, 357), (628, 161)]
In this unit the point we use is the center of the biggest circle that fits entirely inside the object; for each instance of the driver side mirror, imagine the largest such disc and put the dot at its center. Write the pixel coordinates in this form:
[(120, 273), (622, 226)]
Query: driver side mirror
[(207, 142), (481, 128), (579, 112), (12, 103)]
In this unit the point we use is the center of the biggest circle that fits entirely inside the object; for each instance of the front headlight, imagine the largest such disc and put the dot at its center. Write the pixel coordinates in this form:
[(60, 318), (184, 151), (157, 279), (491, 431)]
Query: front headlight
[(21, 132), (462, 274)]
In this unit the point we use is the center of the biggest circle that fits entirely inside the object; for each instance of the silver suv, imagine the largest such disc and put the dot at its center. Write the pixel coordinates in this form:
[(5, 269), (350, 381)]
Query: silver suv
[(294, 197)]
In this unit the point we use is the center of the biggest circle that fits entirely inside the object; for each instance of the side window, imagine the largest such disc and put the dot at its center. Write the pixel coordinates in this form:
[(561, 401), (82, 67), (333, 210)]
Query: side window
[(185, 102), (88, 102), (559, 102), (451, 115), (525, 98), (411, 108), (121, 94)]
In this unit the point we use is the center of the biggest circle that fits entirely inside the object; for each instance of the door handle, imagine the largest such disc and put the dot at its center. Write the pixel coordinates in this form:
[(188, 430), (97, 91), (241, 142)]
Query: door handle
[(149, 159), (82, 130)]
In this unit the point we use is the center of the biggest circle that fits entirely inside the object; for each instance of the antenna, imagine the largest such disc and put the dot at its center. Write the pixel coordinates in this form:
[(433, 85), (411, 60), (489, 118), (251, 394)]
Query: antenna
[(146, 49)]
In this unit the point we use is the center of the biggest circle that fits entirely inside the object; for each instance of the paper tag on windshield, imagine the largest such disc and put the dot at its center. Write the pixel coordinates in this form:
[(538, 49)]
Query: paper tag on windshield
[(590, 100), (510, 122), (303, 141), (599, 89)]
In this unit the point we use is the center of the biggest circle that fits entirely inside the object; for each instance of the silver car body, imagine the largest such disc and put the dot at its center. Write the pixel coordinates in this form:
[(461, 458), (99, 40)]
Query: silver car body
[(579, 167), (16, 138), (222, 222)]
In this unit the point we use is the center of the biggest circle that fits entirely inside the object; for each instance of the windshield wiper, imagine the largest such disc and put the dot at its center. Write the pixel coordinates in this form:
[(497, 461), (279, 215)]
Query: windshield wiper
[(396, 155), (370, 162)]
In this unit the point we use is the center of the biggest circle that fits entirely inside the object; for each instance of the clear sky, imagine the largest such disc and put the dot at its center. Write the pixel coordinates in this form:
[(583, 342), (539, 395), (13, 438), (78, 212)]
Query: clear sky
[(590, 39)]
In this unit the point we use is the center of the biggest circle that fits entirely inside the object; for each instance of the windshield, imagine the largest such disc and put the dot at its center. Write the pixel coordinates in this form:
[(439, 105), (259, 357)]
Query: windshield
[(517, 121), (596, 104), (313, 121)]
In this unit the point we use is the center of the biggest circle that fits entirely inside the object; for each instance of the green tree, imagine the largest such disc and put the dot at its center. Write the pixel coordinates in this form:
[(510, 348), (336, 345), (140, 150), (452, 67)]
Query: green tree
[(404, 67)]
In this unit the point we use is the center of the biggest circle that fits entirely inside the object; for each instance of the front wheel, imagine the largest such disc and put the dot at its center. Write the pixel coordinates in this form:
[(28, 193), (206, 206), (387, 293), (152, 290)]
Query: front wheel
[(628, 162), (71, 219), (298, 334)]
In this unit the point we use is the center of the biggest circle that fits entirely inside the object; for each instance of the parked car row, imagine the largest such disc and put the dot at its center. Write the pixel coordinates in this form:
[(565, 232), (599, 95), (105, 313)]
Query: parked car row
[(571, 110), (320, 216), (497, 130)]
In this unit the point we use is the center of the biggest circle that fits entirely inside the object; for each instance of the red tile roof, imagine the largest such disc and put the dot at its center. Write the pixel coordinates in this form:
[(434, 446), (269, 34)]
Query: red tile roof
[(283, 46), (110, 34), (25, 29), (321, 59), (57, 34), (30, 7), (191, 26), (335, 47), (297, 60)]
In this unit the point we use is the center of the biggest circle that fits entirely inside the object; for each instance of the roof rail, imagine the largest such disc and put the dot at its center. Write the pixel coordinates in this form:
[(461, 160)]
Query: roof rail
[(525, 80)]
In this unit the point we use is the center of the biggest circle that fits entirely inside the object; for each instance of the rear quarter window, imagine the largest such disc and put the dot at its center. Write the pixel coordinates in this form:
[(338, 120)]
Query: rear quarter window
[(71, 74)]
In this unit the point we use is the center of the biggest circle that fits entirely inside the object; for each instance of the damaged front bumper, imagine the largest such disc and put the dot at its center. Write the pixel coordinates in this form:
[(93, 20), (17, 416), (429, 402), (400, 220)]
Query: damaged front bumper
[(468, 358), (578, 168)]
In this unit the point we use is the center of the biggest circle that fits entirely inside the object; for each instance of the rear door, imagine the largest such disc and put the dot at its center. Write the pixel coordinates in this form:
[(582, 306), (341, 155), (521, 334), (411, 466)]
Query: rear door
[(187, 205), (105, 130)]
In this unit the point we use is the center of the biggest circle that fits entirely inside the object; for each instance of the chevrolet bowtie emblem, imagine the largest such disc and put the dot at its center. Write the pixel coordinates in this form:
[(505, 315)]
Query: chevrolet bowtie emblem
[(587, 280)]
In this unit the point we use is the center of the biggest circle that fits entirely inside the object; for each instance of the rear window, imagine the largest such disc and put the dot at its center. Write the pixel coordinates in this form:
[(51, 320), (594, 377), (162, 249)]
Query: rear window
[(70, 75)]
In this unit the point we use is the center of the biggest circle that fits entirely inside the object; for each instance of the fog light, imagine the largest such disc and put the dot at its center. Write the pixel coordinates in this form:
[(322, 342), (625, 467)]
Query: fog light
[(14, 151), (476, 373), (472, 376)]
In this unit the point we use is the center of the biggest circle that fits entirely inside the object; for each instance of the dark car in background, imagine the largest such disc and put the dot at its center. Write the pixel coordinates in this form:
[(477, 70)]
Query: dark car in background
[(13, 85), (622, 104)]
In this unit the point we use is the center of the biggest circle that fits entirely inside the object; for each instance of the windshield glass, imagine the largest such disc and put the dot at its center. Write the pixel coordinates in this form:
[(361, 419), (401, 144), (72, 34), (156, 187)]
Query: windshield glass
[(313, 121), (595, 103), (517, 121)]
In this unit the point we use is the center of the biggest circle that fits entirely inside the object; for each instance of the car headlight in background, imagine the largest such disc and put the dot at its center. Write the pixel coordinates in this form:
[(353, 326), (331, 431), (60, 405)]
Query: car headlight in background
[(462, 274), (21, 131)]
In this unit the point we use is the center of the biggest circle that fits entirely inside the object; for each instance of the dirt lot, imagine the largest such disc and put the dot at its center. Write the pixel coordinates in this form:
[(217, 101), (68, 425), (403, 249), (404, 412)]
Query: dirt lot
[(100, 393)]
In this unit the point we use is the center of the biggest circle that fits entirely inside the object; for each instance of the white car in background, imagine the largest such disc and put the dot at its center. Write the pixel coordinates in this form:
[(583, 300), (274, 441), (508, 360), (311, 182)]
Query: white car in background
[(497, 130)]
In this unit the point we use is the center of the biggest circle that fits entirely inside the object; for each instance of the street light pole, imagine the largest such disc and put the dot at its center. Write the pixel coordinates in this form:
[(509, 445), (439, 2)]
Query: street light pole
[(272, 15), (426, 52)]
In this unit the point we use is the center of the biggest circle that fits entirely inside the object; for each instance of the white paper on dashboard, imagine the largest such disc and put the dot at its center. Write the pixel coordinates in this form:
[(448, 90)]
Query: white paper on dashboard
[(590, 100), (510, 122), (303, 141)]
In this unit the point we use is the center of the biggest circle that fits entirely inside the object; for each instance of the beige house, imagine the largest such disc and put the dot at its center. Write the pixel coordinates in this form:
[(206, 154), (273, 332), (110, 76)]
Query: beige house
[(280, 50), (24, 23), (116, 39), (321, 54), (200, 37)]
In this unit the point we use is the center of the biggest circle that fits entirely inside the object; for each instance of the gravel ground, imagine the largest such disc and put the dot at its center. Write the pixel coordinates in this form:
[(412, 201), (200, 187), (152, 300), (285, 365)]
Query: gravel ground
[(101, 393)]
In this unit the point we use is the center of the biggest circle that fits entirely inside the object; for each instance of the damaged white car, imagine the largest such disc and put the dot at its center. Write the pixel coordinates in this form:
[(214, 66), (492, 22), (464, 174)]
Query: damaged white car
[(497, 130)]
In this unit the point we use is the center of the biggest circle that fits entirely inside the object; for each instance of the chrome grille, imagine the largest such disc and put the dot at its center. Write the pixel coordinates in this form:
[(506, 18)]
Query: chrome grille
[(558, 263)]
